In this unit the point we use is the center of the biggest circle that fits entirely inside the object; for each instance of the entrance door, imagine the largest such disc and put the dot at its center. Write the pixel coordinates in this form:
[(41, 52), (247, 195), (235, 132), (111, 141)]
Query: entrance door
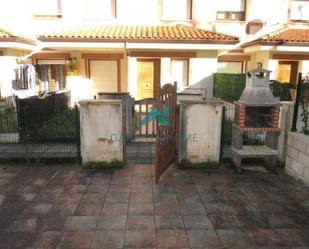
[(287, 71), (166, 129), (148, 78)]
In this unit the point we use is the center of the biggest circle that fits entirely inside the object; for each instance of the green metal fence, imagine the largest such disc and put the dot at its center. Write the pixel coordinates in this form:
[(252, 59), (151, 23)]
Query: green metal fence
[(301, 107), (39, 130)]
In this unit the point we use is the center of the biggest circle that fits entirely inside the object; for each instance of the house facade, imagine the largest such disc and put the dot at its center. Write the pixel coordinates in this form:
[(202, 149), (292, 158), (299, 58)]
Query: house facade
[(135, 46)]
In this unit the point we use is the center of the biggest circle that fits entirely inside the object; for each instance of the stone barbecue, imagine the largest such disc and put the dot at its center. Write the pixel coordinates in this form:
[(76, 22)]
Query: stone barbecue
[(257, 111)]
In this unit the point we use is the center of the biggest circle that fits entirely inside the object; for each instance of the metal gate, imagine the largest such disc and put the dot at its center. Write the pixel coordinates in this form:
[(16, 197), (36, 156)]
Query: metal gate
[(166, 129), (145, 123), (226, 137)]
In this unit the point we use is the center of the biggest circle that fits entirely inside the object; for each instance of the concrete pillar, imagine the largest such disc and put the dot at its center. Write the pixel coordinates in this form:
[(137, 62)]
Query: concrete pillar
[(285, 124), (128, 106), (102, 128), (200, 133)]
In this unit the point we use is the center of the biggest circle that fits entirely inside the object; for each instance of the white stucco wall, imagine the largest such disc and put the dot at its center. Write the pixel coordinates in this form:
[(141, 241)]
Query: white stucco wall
[(200, 131), (79, 87), (201, 75), (304, 69), (7, 74), (101, 123), (229, 67), (132, 76)]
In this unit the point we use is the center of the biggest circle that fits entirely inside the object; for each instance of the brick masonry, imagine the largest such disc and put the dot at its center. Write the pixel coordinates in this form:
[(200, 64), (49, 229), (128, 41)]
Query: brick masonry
[(297, 161)]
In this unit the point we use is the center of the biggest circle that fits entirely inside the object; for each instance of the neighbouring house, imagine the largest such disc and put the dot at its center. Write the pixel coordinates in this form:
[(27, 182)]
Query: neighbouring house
[(12, 48), (285, 52)]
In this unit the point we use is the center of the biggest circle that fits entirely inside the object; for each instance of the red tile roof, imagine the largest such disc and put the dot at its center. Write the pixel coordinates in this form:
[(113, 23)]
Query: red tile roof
[(6, 36), (286, 36), (178, 33)]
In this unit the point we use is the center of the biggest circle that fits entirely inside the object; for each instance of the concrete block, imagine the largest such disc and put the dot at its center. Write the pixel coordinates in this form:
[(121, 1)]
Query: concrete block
[(299, 145), (293, 153), (306, 175), (298, 168), (303, 158)]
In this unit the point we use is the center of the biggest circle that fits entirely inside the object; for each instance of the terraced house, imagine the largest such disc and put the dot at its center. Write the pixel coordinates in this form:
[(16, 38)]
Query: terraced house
[(136, 46)]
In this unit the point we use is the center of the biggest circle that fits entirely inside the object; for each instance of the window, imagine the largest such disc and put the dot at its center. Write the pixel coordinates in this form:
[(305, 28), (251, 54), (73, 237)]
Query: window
[(175, 10), (104, 76), (180, 73), (233, 10), (46, 8), (300, 10), (100, 9), (51, 70), (137, 10)]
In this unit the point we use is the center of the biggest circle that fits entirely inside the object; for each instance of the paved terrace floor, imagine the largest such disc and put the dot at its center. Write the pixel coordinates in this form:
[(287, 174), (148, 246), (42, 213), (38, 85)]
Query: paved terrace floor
[(67, 207)]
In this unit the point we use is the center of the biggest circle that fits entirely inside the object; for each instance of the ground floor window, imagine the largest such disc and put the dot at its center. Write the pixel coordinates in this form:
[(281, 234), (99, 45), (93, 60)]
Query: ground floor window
[(50, 71), (103, 75), (180, 72)]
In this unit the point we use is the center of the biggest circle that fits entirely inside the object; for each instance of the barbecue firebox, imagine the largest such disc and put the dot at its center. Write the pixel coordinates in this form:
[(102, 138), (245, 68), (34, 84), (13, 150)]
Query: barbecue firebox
[(257, 111)]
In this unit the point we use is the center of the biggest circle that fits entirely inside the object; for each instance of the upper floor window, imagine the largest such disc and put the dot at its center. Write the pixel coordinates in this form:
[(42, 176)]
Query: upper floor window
[(233, 10), (300, 10), (100, 9), (137, 10), (46, 8), (175, 10)]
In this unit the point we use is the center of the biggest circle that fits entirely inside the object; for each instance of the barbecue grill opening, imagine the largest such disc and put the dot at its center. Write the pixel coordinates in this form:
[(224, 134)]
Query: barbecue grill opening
[(258, 117)]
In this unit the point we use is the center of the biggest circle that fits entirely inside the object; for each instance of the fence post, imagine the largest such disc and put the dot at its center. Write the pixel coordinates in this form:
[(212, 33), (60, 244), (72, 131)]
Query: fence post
[(297, 101), (77, 130), (18, 118), (222, 134)]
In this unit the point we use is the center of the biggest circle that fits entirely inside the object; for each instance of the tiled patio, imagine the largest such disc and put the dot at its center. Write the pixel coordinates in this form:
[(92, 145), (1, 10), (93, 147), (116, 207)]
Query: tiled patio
[(67, 207)]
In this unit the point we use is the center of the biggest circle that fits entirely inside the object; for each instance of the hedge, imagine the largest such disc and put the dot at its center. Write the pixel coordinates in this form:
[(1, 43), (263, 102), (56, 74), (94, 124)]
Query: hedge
[(229, 87)]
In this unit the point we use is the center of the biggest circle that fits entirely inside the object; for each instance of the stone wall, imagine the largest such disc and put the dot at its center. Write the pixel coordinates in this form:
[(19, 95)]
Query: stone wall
[(297, 160), (200, 133), (102, 132)]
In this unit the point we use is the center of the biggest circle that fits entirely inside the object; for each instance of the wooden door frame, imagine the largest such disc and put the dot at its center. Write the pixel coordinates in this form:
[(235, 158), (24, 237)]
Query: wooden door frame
[(294, 69), (156, 74)]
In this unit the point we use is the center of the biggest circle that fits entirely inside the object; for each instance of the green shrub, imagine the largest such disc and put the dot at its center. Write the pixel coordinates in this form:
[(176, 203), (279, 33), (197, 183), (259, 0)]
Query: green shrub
[(62, 124), (8, 119), (281, 90)]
